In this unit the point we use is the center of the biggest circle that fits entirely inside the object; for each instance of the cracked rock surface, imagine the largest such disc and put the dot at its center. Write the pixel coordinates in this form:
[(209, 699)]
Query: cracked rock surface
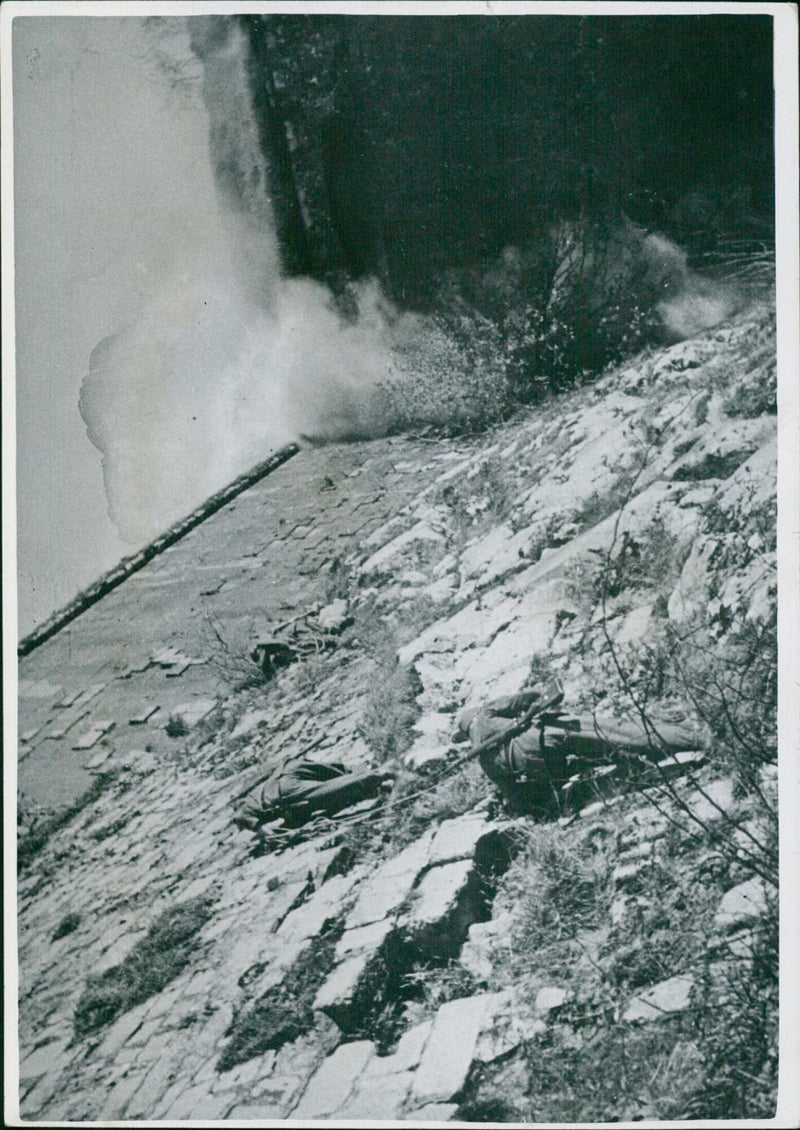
[(322, 979)]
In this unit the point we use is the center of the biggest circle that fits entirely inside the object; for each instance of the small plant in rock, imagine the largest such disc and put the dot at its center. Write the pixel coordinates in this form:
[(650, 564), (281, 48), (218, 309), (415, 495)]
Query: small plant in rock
[(749, 399), (68, 925), (176, 726), (427, 987), (485, 495), (650, 559), (165, 951), (340, 581)]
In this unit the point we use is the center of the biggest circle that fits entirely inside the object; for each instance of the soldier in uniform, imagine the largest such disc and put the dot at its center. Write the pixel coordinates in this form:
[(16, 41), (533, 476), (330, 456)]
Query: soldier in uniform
[(531, 766), (301, 788)]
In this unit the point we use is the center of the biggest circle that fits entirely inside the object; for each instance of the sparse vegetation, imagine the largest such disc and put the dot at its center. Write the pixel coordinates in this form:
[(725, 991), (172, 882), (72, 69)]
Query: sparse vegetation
[(68, 925), (428, 987), (40, 830), (444, 793), (601, 504), (176, 727), (592, 1064), (284, 1012), (157, 959), (557, 890), (391, 709)]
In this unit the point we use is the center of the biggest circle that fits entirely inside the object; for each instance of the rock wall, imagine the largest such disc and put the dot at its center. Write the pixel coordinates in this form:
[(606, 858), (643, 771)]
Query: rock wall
[(170, 969)]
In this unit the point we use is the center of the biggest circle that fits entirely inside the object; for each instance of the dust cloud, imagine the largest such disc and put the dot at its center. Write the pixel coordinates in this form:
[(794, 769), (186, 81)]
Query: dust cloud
[(150, 297), (224, 359)]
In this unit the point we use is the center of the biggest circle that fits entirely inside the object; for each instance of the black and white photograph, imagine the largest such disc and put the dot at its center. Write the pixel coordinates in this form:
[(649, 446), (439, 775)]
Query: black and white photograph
[(400, 522)]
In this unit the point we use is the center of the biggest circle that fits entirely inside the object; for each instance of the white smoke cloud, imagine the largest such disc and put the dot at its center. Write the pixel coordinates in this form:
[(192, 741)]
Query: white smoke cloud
[(693, 303), (207, 382), (205, 358), (224, 359)]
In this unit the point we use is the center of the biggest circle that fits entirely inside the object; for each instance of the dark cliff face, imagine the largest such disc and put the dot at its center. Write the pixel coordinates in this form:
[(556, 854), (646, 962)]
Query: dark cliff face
[(404, 147)]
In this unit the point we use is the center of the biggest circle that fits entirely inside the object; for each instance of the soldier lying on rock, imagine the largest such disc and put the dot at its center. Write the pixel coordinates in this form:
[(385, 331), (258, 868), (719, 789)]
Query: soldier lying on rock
[(531, 759), (309, 633), (301, 788)]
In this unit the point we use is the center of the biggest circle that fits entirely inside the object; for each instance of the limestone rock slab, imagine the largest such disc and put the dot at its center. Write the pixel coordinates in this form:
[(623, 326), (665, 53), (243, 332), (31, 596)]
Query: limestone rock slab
[(190, 713), (363, 939), (683, 762), (387, 556), (444, 907), (508, 1022), (741, 904), (434, 730), (715, 801), (337, 993), (450, 1049), (333, 1082), (500, 551), (550, 997), (485, 940), (458, 838), (390, 885), (672, 995), (434, 1112), (309, 919), (377, 1099), (408, 1053)]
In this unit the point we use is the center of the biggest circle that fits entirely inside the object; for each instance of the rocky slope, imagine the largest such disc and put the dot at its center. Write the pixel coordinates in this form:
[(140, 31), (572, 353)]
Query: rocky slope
[(434, 957)]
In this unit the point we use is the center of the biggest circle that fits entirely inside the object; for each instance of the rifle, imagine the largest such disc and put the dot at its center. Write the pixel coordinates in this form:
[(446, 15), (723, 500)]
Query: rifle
[(552, 695)]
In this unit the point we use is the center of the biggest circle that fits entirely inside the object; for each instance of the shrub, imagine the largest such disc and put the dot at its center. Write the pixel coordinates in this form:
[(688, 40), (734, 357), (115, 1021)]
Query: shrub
[(666, 927), (450, 375), (736, 1027), (176, 726), (231, 657), (715, 1060)]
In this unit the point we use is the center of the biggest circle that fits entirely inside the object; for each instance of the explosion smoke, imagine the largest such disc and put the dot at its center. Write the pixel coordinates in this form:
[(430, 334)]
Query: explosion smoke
[(221, 359)]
